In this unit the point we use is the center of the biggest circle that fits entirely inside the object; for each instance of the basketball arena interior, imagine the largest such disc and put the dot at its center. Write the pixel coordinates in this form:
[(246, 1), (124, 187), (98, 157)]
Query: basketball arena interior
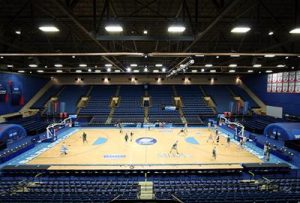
[(149, 101)]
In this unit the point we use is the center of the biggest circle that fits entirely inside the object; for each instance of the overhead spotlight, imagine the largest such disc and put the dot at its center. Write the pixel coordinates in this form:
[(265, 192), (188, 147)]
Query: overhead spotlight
[(250, 71), (46, 66), (163, 70), (33, 65), (271, 33), (1, 57), (280, 66), (217, 57), (158, 65), (176, 28), (145, 69), (108, 65), (106, 80), (286, 57), (234, 55), (136, 71), (40, 71), (155, 71), (231, 71), (269, 55), (194, 71), (293, 67), (21, 71), (146, 56), (159, 79), (208, 65), (269, 71), (133, 65), (49, 28), (191, 61), (78, 71), (240, 29), (18, 32), (145, 32), (117, 71), (256, 65), (237, 80), (89, 70), (59, 71), (295, 31), (97, 71), (82, 65), (10, 66), (213, 71), (58, 65), (202, 70), (114, 28), (212, 81), (73, 57), (108, 69), (199, 55), (232, 65), (128, 69)]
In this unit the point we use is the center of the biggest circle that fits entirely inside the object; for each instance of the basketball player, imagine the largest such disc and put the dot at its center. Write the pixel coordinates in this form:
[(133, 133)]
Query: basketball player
[(182, 131), (131, 135), (228, 140), (214, 153), (84, 137), (218, 139), (210, 137), (126, 137), (174, 147), (64, 149)]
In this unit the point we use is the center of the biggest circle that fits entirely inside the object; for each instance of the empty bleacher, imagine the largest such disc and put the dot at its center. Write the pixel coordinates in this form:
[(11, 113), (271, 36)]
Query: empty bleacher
[(41, 102), (193, 103), (130, 109), (220, 95), (240, 92), (98, 104), (71, 94), (162, 96), (33, 125)]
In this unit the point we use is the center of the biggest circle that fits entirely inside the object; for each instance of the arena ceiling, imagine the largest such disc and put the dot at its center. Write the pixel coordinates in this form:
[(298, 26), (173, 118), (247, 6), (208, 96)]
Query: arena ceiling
[(207, 39)]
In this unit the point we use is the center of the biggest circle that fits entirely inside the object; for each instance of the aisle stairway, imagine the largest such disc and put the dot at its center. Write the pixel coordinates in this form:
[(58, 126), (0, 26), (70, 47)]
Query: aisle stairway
[(146, 190)]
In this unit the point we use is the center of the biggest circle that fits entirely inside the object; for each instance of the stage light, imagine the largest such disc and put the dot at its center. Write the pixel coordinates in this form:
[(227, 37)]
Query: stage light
[(286, 57), (202, 70), (145, 69), (49, 28), (295, 31), (241, 29), (73, 57), (114, 28), (257, 65), (128, 69), (18, 32), (176, 28), (82, 65), (145, 32), (163, 70), (89, 70), (271, 33), (208, 65), (108, 70), (158, 65)]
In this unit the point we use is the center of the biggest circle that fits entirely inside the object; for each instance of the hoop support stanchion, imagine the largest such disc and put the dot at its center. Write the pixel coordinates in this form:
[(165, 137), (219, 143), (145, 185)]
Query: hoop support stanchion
[(236, 124), (51, 129)]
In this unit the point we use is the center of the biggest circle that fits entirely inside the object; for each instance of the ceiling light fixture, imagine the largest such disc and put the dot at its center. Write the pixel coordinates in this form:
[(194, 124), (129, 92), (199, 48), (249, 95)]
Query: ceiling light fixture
[(145, 69), (18, 32), (108, 70), (163, 70), (128, 69), (114, 28), (58, 65), (271, 33), (158, 65), (145, 32), (295, 31), (240, 29), (40, 71), (269, 71), (256, 65), (82, 65), (108, 65), (78, 71), (250, 71), (231, 71), (208, 65), (194, 71), (59, 71), (21, 71), (269, 55), (33, 65), (133, 65), (212, 71), (49, 28), (176, 28), (232, 65)]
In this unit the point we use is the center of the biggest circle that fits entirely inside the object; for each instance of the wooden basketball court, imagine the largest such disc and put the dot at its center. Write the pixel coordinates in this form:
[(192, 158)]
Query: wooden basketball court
[(106, 148)]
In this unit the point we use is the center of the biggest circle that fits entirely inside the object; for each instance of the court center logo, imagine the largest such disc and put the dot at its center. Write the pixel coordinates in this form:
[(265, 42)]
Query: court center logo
[(146, 141)]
